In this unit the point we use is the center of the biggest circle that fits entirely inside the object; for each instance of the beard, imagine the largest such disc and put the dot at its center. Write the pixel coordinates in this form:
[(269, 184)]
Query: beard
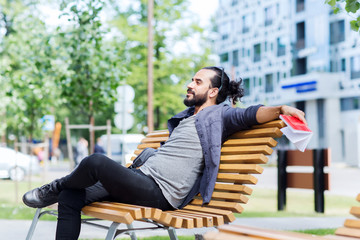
[(197, 100)]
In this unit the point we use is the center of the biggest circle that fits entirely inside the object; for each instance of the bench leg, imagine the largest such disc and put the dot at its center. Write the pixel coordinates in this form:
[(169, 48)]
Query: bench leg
[(33, 224), (112, 231), (132, 233), (172, 234)]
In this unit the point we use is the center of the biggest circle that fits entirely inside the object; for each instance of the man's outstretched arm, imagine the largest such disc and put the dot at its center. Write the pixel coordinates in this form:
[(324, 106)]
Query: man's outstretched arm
[(266, 114)]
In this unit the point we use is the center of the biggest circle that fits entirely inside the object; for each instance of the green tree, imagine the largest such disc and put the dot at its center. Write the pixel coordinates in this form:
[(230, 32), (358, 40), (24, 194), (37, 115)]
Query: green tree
[(26, 69), (171, 69), (93, 69), (351, 7)]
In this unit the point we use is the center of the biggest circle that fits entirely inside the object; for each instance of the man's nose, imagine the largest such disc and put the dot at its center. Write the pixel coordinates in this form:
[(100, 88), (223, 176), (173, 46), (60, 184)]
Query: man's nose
[(191, 84)]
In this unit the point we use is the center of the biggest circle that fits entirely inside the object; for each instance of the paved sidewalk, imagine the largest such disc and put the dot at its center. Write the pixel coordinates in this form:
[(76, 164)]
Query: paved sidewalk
[(17, 229)]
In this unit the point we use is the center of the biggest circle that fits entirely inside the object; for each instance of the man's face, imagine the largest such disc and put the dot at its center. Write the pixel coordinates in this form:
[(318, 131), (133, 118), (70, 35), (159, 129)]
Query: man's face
[(197, 93)]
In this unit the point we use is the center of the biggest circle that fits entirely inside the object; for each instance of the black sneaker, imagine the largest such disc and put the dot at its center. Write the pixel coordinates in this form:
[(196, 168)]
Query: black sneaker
[(42, 196)]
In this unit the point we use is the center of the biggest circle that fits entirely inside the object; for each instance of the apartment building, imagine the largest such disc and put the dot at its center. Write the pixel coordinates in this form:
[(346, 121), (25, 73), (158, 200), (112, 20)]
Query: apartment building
[(297, 52)]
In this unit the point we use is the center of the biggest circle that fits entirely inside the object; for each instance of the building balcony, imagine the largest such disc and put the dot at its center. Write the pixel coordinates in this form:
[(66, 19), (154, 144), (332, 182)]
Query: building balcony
[(300, 7), (268, 22), (354, 75), (300, 44), (245, 29), (281, 51)]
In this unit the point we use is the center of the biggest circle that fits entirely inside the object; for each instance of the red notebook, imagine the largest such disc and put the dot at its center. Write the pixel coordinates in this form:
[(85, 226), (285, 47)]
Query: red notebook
[(294, 123), (296, 131)]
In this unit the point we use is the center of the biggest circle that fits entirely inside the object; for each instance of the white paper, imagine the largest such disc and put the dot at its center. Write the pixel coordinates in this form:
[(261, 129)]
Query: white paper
[(299, 138)]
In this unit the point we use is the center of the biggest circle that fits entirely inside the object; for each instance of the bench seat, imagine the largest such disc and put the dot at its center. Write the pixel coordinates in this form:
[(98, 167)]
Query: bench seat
[(241, 158)]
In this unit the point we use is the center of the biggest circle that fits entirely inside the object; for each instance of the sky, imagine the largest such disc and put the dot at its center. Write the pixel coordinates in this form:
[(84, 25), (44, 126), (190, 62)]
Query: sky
[(202, 8)]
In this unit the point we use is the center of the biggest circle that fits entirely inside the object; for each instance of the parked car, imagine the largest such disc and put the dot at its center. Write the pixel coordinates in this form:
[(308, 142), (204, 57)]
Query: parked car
[(122, 146), (16, 165)]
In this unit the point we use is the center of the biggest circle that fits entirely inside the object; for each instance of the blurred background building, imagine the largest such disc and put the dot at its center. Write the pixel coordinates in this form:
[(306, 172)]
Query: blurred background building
[(297, 52)]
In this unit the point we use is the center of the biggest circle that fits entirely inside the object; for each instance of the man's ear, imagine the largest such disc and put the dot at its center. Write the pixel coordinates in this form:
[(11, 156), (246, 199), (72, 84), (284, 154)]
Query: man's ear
[(213, 92)]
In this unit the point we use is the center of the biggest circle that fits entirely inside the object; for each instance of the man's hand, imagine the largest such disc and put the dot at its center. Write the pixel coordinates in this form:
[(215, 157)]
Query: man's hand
[(287, 110), (266, 114)]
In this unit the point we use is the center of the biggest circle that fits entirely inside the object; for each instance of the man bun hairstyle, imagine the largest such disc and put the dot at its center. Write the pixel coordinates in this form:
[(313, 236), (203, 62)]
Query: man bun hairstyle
[(227, 88)]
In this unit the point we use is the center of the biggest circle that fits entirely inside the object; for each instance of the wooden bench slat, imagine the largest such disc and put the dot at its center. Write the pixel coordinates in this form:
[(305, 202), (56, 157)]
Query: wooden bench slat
[(247, 149), (358, 197), (259, 132), (215, 219), (196, 220), (175, 222), (276, 123), (231, 197), (350, 232), (352, 223), (251, 141), (108, 214), (262, 233), (154, 140), (147, 212), (241, 168), (231, 206), (165, 218), (338, 237), (135, 212), (148, 145), (246, 158), (236, 178), (158, 133), (233, 188), (228, 215), (355, 211)]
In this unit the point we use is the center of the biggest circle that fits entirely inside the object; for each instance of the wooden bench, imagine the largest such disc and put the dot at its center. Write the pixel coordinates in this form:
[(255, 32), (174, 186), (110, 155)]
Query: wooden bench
[(350, 231), (241, 156)]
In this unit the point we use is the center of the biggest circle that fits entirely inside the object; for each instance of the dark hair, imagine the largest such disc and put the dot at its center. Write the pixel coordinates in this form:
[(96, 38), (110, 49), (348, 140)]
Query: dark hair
[(228, 89)]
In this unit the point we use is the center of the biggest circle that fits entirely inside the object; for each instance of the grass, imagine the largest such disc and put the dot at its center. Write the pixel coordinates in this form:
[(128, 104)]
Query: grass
[(300, 203), (320, 232)]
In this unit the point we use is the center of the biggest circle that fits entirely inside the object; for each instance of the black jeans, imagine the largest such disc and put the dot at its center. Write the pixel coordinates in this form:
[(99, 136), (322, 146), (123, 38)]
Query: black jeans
[(98, 178)]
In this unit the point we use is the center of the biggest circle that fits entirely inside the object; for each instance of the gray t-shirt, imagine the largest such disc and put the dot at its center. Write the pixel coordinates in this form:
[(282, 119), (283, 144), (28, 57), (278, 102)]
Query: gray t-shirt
[(177, 164)]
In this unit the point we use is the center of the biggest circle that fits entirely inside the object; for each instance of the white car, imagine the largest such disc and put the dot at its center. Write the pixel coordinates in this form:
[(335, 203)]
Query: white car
[(16, 165), (122, 146)]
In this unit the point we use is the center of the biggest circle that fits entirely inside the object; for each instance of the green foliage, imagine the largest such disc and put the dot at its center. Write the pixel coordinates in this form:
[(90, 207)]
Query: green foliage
[(94, 69), (171, 70), (351, 6), (27, 72)]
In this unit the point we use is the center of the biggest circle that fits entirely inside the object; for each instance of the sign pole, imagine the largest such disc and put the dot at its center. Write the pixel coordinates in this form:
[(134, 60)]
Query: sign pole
[(150, 111)]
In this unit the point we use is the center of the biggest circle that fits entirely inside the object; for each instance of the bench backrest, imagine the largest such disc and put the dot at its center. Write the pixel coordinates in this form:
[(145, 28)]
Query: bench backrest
[(241, 156)]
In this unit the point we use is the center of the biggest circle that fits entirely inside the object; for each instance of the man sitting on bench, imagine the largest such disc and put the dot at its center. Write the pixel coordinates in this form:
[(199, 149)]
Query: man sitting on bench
[(187, 164)]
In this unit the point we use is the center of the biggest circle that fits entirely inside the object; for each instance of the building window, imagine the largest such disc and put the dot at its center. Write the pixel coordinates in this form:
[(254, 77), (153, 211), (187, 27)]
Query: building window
[(300, 35), (343, 65), (300, 5), (247, 86), (299, 66), (281, 47), (355, 67), (246, 23), (235, 58), (351, 103), (337, 32), (257, 52), (224, 57), (269, 85), (225, 30), (269, 15), (333, 66)]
